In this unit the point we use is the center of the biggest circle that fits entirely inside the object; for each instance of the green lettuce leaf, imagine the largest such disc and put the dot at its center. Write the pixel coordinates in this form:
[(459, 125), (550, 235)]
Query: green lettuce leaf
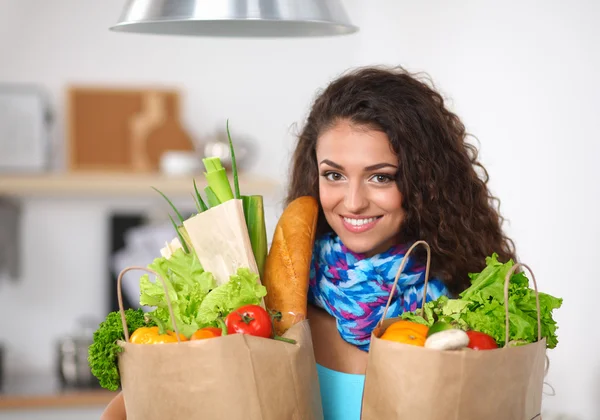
[(442, 309), (487, 280), (486, 312), (196, 300), (241, 289), (187, 283)]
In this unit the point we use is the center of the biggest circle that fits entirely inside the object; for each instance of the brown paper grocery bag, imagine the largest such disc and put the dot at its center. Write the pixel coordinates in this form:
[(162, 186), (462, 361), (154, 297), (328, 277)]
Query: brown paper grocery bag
[(409, 382), (231, 377)]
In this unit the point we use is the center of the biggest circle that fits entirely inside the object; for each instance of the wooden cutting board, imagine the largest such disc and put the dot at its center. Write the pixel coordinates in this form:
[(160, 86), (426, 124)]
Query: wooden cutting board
[(123, 129)]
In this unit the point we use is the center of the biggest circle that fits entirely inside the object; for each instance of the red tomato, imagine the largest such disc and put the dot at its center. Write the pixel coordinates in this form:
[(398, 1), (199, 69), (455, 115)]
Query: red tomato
[(481, 341), (250, 319)]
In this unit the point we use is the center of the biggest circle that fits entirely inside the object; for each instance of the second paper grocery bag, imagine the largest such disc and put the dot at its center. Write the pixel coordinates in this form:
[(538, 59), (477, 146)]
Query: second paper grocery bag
[(405, 381)]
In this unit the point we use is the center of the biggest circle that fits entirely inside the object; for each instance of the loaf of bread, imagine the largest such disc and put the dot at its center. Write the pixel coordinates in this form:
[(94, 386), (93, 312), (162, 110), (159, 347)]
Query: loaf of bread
[(287, 267)]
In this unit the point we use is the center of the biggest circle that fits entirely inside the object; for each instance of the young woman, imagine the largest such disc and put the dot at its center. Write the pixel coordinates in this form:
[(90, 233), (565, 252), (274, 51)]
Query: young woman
[(389, 165)]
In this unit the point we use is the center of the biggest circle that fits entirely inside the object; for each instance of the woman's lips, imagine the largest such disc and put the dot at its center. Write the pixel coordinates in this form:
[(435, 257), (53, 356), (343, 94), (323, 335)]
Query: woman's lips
[(359, 224)]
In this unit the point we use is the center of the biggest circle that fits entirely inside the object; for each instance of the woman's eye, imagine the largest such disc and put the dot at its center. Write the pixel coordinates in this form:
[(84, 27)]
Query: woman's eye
[(382, 179), (333, 176)]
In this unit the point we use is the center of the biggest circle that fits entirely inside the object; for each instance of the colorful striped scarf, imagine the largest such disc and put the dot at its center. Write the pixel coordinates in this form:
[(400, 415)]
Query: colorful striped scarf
[(354, 289)]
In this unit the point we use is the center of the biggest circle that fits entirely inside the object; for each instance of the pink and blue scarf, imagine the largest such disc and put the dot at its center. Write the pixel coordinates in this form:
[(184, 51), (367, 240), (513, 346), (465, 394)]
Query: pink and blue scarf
[(354, 289)]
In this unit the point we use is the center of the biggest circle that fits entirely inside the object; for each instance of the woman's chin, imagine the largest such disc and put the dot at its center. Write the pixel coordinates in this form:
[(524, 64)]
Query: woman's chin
[(365, 246), (360, 247)]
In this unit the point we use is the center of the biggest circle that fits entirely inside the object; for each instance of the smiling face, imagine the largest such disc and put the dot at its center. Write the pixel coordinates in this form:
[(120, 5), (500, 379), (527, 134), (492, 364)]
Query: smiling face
[(357, 188)]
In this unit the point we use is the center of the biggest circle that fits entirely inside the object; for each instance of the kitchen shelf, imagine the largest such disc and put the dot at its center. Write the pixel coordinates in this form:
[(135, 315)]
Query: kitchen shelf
[(119, 184), (69, 399), (44, 390)]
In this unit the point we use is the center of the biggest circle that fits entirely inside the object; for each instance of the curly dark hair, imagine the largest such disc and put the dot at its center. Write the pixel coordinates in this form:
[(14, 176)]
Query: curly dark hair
[(446, 202)]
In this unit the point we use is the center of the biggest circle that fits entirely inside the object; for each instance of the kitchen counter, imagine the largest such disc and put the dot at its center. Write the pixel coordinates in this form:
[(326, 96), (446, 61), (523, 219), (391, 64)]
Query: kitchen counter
[(40, 391)]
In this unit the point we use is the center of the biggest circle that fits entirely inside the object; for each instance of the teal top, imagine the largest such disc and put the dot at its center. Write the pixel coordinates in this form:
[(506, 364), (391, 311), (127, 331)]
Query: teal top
[(341, 394)]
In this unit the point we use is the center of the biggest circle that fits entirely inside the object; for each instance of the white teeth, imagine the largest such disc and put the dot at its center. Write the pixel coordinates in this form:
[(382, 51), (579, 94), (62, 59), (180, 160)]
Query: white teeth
[(359, 222)]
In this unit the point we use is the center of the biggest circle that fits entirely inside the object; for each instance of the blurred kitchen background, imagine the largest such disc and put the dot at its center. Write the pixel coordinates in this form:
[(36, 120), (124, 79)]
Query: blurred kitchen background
[(90, 119)]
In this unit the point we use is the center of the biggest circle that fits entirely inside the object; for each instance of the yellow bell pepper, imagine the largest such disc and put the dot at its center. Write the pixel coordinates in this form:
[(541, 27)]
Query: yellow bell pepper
[(151, 335)]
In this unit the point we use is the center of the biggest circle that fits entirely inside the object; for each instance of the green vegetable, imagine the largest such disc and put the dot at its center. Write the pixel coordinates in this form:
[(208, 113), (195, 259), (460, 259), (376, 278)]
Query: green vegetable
[(216, 176), (213, 200), (439, 326), (236, 183), (221, 324), (187, 284), (441, 310), (179, 230), (481, 307), (254, 214), (184, 238), (241, 289), (196, 300), (102, 354), (200, 203), (179, 216)]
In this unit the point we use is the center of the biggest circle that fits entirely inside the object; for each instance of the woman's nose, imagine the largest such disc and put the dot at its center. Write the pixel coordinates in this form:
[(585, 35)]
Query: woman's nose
[(356, 198)]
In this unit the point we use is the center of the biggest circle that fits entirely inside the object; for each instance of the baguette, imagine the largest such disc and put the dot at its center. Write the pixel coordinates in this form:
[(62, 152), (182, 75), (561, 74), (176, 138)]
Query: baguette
[(287, 267)]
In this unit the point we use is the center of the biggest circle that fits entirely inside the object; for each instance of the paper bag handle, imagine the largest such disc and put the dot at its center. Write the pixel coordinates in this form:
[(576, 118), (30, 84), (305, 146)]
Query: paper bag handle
[(402, 265), (120, 300), (537, 300)]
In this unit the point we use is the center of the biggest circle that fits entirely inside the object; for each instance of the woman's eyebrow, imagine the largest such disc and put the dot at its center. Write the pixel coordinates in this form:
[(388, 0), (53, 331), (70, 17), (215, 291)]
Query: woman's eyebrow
[(380, 166), (368, 168), (332, 164)]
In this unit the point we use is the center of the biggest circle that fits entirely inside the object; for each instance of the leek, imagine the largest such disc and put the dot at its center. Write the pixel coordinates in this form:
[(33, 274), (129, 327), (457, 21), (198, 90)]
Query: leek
[(171, 204), (180, 235), (200, 203), (197, 204), (211, 197), (236, 183), (185, 237), (216, 176), (254, 213), (181, 232)]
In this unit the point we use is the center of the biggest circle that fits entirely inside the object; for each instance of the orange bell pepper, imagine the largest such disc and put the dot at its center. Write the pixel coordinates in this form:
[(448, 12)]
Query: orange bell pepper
[(207, 332), (406, 332), (181, 336)]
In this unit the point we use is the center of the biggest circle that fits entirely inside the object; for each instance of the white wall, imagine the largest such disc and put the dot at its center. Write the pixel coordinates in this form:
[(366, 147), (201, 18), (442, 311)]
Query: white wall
[(521, 74)]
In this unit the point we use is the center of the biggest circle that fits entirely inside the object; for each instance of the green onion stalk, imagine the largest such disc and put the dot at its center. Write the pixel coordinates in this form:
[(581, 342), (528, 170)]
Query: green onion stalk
[(254, 214)]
